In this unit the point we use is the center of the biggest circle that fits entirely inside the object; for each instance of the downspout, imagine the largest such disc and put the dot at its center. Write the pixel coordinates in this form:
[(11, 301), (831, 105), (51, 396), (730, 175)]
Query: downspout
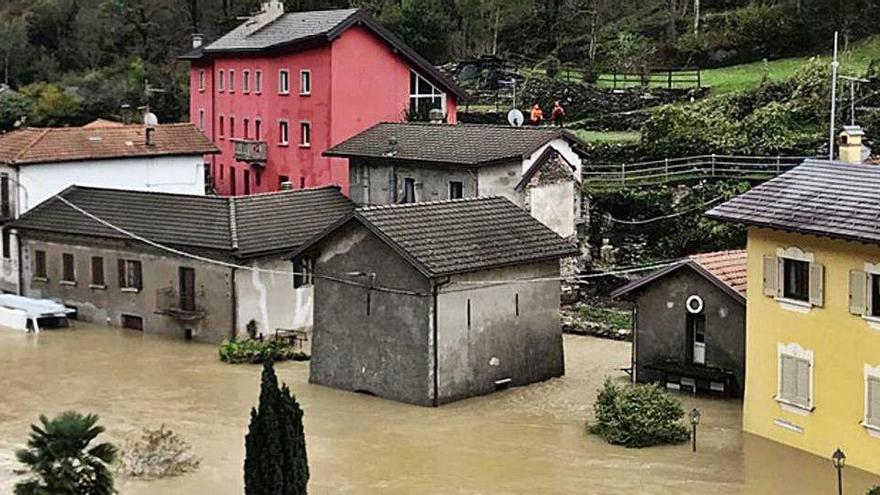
[(635, 332), (234, 298), (20, 266), (435, 289)]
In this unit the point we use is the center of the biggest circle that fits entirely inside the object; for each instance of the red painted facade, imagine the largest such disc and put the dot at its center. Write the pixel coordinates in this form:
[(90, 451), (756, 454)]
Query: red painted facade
[(357, 80)]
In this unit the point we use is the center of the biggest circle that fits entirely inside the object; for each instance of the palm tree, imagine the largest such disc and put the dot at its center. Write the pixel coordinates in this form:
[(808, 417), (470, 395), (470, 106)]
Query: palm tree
[(60, 460)]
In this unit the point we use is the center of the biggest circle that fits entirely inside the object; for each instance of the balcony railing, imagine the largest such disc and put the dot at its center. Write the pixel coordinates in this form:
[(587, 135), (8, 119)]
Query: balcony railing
[(169, 303), (250, 151)]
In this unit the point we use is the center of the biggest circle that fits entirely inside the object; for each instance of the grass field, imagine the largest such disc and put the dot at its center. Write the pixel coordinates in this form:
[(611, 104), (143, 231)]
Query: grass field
[(607, 136)]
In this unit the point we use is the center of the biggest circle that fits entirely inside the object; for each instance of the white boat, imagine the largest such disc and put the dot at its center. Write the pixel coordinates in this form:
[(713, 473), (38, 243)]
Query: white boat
[(26, 313)]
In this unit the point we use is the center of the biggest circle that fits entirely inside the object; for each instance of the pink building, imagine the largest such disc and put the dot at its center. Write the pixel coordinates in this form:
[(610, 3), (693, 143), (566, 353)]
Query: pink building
[(277, 91)]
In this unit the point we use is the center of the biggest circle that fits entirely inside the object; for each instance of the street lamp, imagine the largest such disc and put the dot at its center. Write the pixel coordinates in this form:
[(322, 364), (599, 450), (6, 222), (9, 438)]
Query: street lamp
[(839, 460), (695, 420)]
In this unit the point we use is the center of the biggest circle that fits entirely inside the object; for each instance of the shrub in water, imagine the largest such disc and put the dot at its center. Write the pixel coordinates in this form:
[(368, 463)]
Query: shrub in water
[(255, 352), (639, 416), (874, 491), (159, 453)]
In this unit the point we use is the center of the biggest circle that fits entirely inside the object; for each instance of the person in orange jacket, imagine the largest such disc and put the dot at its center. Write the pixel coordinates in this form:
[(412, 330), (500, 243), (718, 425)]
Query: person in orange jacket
[(537, 115), (558, 114)]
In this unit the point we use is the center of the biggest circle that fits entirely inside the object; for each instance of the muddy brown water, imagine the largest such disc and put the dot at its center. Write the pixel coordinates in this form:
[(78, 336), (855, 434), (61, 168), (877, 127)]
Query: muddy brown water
[(528, 440)]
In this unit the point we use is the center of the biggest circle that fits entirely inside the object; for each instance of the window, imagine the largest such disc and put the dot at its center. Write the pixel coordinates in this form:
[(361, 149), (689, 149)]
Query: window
[(409, 190), (795, 377), (246, 177), (202, 119), (98, 272), (872, 397), (40, 265), (282, 179), (305, 134), (303, 272), (5, 204), (220, 167), (468, 313), (246, 81), (221, 126), (7, 244), (247, 129), (231, 127), (305, 82), (796, 280), (258, 177), (283, 136), (221, 78), (132, 322), (68, 269), (423, 97), (187, 295), (302, 182), (456, 190), (201, 80), (516, 304), (283, 82), (874, 287), (258, 81), (130, 275), (258, 131), (231, 81), (232, 184)]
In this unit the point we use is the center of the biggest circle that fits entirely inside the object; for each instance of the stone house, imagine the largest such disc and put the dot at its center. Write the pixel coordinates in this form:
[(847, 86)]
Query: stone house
[(200, 267), (444, 300), (37, 163), (537, 168), (690, 324)]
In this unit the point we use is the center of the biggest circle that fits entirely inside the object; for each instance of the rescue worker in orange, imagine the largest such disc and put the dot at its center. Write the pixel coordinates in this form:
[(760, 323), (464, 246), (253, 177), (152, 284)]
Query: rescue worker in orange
[(537, 115), (558, 114)]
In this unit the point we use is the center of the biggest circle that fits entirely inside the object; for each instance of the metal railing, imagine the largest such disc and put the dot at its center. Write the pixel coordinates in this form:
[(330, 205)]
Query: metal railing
[(686, 169)]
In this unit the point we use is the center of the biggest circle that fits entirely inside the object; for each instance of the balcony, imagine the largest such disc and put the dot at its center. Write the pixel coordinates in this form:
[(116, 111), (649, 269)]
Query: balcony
[(169, 303), (250, 151)]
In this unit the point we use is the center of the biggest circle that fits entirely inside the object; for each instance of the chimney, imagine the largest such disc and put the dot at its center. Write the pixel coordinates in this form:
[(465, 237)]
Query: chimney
[(197, 39), (849, 141), (270, 11), (286, 186), (435, 116), (392, 147), (149, 135)]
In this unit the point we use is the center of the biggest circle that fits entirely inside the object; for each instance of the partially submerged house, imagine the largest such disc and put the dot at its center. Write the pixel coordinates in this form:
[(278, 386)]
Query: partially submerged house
[(200, 267), (37, 163), (440, 300), (689, 324), (537, 168)]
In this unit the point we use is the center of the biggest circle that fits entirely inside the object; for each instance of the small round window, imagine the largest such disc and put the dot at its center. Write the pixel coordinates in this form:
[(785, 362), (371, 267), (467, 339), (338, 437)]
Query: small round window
[(694, 304)]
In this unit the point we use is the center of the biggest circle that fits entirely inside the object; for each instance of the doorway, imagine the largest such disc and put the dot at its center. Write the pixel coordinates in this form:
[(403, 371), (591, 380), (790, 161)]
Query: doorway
[(187, 289), (696, 335)]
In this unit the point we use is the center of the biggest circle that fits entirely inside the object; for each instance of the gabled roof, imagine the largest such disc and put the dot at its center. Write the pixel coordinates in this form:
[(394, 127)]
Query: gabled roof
[(549, 155), (725, 269), (833, 199), (448, 144), (243, 227), (302, 30), (101, 142), (462, 235)]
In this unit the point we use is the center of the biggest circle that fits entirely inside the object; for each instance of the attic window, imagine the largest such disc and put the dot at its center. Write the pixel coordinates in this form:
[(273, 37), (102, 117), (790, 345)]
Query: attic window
[(424, 96)]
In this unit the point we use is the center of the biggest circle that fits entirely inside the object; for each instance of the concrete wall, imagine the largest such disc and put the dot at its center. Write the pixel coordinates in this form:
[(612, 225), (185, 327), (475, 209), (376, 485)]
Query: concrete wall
[(499, 344), (661, 330), (501, 180), (556, 206), (379, 182), (270, 299), (386, 352)]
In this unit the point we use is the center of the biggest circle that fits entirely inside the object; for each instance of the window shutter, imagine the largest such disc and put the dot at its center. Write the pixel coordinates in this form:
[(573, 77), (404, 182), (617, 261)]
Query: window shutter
[(858, 302), (788, 378), (121, 267), (817, 284), (771, 276), (803, 382), (138, 276)]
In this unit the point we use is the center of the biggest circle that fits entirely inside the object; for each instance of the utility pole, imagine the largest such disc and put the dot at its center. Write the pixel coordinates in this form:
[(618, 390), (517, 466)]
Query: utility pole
[(834, 65), (852, 96)]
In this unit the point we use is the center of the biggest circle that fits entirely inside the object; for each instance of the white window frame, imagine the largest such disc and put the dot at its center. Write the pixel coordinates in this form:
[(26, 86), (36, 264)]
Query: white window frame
[(305, 134), (305, 82), (125, 285), (871, 270), (258, 82), (794, 350), (221, 80), (231, 85), (283, 82), (871, 425), (202, 80), (283, 137), (795, 254), (435, 92), (245, 81)]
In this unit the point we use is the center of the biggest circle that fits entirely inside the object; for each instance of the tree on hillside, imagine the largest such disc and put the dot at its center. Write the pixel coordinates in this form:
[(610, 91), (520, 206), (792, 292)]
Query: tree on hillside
[(275, 447), (60, 460)]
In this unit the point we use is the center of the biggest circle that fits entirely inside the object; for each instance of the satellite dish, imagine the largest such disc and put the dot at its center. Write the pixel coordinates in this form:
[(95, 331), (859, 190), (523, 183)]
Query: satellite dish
[(515, 118), (151, 119)]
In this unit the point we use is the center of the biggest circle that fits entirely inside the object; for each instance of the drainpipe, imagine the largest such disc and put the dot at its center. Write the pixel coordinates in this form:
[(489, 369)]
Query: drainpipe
[(20, 266), (435, 289), (635, 332), (234, 303)]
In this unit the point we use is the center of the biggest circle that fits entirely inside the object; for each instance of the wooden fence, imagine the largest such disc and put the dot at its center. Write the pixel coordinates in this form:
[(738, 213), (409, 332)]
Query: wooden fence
[(686, 169), (672, 78)]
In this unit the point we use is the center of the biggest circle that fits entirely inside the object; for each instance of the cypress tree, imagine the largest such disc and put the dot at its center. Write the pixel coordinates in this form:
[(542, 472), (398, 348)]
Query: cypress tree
[(275, 447)]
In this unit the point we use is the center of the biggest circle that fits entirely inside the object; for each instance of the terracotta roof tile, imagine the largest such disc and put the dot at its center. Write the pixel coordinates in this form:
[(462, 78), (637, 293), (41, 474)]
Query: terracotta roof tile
[(727, 266), (30, 146)]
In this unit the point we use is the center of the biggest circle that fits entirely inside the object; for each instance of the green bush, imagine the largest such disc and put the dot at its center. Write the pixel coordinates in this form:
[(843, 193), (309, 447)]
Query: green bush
[(874, 491), (639, 416), (255, 352)]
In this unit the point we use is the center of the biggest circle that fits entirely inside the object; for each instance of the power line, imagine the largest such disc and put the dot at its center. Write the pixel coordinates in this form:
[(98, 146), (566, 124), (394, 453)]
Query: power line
[(664, 217)]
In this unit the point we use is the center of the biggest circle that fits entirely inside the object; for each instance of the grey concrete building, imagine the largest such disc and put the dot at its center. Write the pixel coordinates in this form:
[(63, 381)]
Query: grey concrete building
[(174, 263), (428, 303), (392, 163), (689, 324)]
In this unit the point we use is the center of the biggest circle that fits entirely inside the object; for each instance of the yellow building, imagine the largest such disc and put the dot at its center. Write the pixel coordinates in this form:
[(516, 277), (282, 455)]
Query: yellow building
[(813, 310)]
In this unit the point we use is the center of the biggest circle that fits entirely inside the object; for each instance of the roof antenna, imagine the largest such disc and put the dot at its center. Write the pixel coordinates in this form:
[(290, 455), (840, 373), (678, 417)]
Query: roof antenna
[(834, 65)]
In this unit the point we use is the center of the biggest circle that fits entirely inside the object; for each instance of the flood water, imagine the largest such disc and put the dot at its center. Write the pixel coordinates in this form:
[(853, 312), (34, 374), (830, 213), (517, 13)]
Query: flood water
[(528, 440)]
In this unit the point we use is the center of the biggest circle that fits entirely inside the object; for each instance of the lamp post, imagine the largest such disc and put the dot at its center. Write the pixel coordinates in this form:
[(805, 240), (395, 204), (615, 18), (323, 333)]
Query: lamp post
[(695, 420), (839, 460)]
